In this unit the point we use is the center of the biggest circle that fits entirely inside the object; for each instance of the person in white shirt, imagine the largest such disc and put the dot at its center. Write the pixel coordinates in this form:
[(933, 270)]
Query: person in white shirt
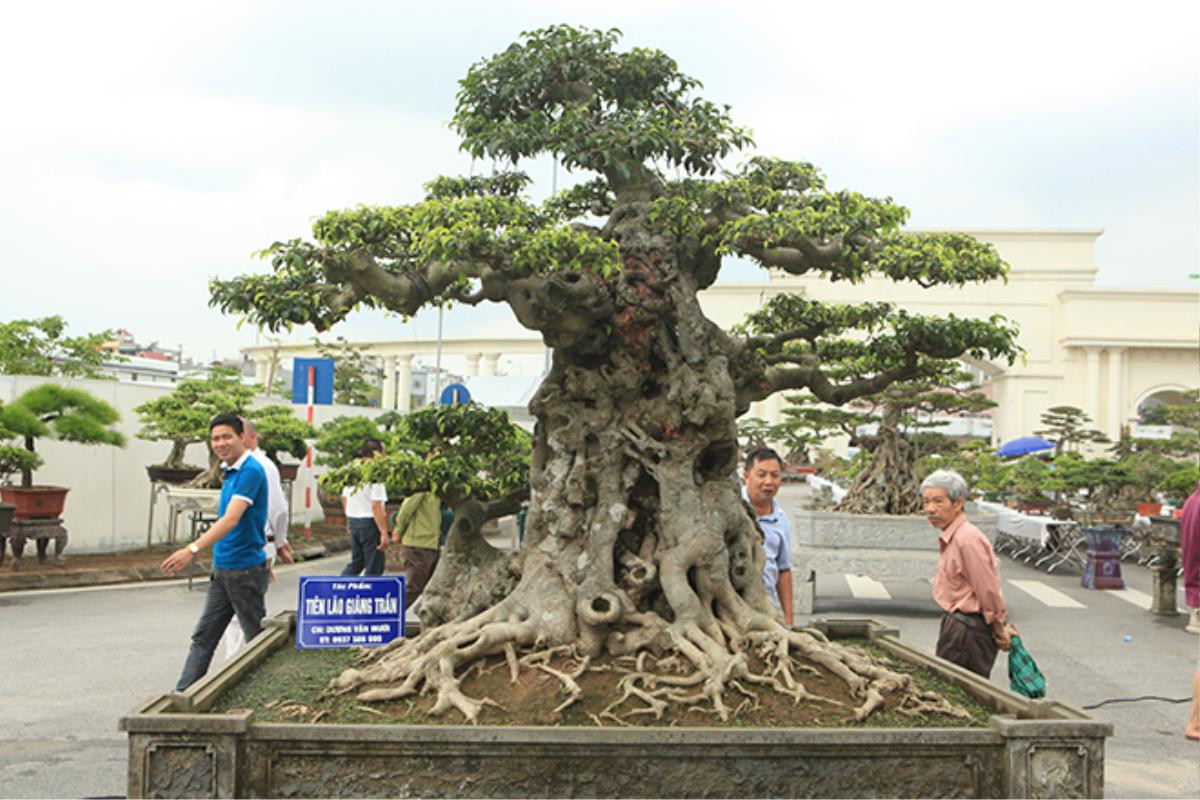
[(366, 518)]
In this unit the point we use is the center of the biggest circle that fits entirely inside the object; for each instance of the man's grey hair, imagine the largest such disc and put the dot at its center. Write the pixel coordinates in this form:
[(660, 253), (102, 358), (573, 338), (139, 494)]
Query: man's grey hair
[(249, 427), (949, 480)]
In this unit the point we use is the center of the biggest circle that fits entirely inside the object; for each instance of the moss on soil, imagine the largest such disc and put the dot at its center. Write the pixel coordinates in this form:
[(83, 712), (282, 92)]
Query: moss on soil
[(288, 686)]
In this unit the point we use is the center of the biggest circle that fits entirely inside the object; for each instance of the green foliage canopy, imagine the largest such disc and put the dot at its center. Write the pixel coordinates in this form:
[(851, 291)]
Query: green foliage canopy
[(68, 414), (41, 347), (340, 440), (633, 120), (457, 452), (281, 431)]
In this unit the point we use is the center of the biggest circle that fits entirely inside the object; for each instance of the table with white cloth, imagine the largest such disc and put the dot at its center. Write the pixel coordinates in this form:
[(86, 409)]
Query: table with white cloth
[(198, 501), (1048, 540)]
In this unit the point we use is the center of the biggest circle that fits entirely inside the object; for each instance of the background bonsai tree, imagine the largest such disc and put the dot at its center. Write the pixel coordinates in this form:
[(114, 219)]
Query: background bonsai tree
[(340, 439), (14, 458), (388, 420), (889, 480), (635, 445), (1065, 427), (182, 417), (69, 414), (356, 376), (1028, 481), (41, 347), (977, 462), (476, 461), (1184, 419), (281, 431)]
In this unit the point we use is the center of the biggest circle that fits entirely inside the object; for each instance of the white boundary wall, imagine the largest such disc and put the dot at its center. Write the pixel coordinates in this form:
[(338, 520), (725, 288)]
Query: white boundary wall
[(108, 504)]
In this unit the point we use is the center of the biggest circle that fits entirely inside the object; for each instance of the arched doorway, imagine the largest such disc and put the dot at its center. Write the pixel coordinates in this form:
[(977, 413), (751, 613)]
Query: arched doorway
[(1152, 408)]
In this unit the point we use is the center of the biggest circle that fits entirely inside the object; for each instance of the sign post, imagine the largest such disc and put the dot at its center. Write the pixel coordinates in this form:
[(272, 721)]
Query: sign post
[(349, 611), (312, 379)]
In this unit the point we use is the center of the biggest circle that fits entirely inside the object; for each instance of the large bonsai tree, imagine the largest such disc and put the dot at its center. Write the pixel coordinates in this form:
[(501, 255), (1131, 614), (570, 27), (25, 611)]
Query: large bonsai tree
[(634, 450), (65, 413)]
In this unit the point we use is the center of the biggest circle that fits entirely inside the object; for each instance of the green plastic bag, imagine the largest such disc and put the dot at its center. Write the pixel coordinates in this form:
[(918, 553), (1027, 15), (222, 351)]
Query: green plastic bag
[(1024, 677)]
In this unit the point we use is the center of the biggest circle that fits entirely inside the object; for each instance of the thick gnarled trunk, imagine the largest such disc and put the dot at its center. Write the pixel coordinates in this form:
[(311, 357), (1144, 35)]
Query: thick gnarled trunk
[(888, 484), (637, 539)]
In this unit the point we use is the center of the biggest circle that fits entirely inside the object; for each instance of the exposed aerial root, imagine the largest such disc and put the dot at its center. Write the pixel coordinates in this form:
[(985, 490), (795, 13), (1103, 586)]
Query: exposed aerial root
[(568, 680), (430, 663)]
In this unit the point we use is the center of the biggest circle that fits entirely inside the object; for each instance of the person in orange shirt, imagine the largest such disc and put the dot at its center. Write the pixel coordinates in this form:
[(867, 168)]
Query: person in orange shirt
[(967, 582)]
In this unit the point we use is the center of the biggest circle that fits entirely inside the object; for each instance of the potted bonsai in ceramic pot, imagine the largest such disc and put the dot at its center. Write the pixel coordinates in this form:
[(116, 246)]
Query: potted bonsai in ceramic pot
[(65, 413), (338, 443), (281, 431)]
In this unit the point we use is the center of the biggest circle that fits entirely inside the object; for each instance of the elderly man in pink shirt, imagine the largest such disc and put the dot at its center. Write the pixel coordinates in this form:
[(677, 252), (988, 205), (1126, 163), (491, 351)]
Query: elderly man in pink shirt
[(967, 582), (1189, 543)]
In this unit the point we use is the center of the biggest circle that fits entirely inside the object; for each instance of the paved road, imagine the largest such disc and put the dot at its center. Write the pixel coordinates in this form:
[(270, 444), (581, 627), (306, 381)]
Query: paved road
[(1077, 636), (75, 660)]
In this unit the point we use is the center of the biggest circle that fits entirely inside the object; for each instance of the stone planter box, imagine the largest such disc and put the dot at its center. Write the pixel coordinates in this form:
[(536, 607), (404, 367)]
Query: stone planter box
[(879, 545), (1031, 748)]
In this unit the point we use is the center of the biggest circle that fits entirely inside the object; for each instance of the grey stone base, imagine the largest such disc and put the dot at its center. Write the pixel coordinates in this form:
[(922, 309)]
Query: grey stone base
[(1030, 749), (880, 546)]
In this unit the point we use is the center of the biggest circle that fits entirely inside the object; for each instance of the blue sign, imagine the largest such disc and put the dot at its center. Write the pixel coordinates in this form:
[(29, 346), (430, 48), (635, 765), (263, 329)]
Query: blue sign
[(455, 395), (322, 380), (349, 611)]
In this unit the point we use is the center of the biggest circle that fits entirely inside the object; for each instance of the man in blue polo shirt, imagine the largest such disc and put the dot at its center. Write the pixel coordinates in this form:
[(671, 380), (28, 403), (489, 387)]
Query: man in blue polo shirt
[(240, 574), (763, 476)]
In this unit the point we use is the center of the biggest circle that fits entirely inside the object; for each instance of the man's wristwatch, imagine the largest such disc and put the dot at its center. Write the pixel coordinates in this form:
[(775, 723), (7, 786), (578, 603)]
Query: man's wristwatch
[(194, 550)]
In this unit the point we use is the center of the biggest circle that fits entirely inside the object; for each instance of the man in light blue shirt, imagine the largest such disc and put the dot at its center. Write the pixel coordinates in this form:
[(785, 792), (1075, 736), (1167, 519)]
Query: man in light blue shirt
[(762, 478), (240, 573)]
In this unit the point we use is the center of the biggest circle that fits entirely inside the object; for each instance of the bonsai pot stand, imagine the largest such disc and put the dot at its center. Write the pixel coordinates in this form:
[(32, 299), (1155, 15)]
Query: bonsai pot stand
[(41, 531), (1103, 568)]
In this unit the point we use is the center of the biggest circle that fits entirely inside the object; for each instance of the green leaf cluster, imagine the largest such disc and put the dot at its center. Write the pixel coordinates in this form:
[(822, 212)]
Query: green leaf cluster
[(1065, 426), (567, 91), (66, 413), (356, 375), (41, 347), (281, 431), (456, 452), (861, 340), (340, 440)]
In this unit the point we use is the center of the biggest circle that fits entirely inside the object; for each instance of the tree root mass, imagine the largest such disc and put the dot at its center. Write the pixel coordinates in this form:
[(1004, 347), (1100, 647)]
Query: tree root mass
[(556, 686)]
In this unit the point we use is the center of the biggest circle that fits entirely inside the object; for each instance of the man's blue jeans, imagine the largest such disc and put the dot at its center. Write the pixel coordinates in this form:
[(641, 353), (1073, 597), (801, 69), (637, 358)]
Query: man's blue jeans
[(240, 592), (365, 556)]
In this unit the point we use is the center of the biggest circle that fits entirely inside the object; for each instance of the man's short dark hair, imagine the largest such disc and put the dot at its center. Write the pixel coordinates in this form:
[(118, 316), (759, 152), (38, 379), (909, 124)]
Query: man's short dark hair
[(761, 454), (226, 418), (370, 447)]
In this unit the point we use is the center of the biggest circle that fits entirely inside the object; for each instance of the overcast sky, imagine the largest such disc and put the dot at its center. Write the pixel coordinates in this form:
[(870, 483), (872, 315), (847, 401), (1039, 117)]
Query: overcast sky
[(147, 147)]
